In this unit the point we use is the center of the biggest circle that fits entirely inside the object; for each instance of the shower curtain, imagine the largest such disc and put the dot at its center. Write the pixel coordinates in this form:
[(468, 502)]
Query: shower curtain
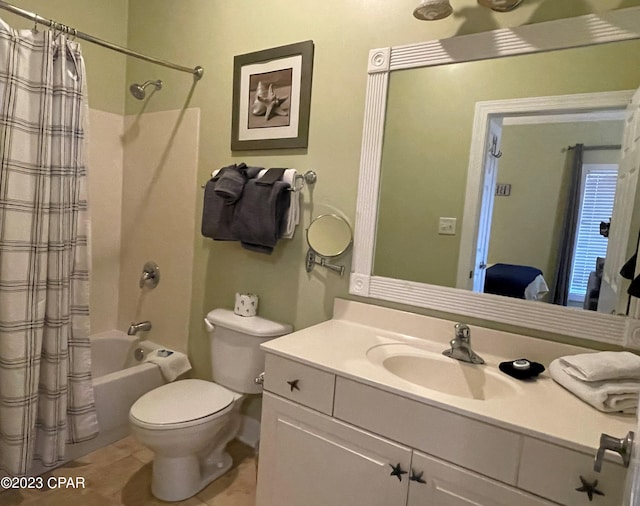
[(46, 396)]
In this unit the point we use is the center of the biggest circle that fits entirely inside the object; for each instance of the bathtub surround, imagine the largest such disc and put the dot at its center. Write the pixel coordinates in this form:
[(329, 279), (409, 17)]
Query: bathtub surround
[(106, 154), (159, 194), (139, 164), (46, 396)]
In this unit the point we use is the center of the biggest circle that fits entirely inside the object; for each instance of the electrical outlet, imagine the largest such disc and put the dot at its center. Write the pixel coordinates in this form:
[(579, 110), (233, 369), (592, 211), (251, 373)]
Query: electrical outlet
[(447, 226)]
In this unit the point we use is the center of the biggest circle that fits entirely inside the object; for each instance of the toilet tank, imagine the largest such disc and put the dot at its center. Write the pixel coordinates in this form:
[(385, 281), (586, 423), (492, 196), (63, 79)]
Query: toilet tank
[(236, 357)]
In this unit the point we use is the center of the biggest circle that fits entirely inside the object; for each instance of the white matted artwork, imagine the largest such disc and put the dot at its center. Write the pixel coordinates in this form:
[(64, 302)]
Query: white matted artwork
[(271, 98)]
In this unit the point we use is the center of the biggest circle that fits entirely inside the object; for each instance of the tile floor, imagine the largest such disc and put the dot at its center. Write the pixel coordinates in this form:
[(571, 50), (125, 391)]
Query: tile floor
[(120, 474)]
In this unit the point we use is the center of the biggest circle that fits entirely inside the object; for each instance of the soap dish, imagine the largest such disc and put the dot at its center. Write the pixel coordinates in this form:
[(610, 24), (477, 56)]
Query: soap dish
[(521, 369)]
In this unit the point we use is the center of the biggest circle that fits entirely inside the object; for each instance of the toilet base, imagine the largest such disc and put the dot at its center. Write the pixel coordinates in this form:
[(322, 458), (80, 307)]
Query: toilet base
[(178, 478)]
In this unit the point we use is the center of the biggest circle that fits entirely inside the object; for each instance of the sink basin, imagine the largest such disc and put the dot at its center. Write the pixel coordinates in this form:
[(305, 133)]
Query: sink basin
[(434, 371)]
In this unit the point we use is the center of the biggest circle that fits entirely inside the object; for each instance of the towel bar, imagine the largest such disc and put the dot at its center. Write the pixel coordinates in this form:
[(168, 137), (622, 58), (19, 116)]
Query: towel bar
[(309, 177)]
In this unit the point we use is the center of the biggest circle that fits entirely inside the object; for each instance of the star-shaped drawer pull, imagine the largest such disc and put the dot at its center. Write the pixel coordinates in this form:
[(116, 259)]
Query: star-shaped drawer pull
[(397, 471), (293, 384), (589, 488), (417, 476)]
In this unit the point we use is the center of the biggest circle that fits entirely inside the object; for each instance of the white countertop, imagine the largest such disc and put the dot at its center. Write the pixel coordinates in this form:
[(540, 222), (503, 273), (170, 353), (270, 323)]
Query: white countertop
[(541, 408)]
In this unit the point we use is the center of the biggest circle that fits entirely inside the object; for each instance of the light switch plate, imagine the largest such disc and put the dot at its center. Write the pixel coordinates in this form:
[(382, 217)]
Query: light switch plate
[(447, 226)]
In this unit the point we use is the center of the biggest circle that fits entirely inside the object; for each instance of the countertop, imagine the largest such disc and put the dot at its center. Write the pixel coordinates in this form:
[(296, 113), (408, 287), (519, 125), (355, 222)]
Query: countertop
[(541, 409)]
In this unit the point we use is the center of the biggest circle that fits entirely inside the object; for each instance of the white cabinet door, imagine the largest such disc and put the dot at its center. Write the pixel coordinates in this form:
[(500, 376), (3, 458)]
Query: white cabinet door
[(558, 473), (449, 485), (309, 459)]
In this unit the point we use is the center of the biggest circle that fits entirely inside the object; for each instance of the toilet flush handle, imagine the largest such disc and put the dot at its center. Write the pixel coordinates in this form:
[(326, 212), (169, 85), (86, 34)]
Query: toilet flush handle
[(210, 326)]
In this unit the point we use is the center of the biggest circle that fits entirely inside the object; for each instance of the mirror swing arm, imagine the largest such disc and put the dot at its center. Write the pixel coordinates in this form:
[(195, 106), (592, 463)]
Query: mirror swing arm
[(312, 260), (587, 30)]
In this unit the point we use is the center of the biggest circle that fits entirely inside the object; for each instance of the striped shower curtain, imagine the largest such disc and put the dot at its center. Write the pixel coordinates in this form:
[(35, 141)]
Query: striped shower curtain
[(46, 396)]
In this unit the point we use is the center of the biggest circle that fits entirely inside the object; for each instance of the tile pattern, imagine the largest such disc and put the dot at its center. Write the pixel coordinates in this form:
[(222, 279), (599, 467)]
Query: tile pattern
[(120, 475)]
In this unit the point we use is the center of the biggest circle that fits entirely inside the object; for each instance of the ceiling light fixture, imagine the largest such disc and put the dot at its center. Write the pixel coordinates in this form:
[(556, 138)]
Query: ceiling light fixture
[(431, 10), (500, 5)]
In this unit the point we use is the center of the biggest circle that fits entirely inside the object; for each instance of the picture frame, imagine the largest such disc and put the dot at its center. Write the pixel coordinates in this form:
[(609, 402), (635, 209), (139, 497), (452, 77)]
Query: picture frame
[(272, 98)]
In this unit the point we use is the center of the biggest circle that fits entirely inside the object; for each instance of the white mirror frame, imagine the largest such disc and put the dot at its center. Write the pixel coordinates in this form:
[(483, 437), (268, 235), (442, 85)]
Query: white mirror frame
[(592, 29)]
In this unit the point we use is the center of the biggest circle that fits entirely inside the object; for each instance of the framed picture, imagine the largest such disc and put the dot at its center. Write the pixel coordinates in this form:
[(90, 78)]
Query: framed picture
[(271, 98)]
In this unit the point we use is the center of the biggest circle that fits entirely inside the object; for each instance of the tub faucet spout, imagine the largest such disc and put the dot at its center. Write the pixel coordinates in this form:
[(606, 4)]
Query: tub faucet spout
[(137, 327)]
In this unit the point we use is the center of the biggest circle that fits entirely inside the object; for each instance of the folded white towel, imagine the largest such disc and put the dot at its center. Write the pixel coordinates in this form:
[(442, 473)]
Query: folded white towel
[(604, 365), (172, 365), (292, 218), (293, 215), (608, 396)]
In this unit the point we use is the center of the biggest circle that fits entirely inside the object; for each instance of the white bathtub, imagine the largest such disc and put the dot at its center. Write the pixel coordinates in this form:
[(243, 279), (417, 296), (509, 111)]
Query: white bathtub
[(118, 381)]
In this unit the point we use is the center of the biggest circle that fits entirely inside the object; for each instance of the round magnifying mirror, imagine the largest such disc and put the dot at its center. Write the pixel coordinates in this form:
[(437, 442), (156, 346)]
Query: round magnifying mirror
[(329, 235)]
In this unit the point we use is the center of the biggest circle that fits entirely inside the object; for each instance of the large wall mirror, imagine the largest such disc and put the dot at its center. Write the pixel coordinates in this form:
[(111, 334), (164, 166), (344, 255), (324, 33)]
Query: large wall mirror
[(470, 151)]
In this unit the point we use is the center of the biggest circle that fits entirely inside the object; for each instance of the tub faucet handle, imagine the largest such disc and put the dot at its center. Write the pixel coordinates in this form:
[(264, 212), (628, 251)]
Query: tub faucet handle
[(150, 275)]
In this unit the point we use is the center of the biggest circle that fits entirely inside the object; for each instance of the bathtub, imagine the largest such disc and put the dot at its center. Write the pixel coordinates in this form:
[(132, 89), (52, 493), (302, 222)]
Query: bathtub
[(119, 379)]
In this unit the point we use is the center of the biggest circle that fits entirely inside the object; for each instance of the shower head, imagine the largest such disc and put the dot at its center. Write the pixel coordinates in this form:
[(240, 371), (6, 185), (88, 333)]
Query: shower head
[(137, 90)]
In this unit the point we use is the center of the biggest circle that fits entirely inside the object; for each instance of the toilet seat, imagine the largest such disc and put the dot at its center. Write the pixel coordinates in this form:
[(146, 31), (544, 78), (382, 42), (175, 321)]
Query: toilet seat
[(184, 403)]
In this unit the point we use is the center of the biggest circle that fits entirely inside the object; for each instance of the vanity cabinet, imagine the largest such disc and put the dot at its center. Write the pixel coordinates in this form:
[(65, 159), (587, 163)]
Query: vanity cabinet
[(449, 485), (366, 446), (310, 459)]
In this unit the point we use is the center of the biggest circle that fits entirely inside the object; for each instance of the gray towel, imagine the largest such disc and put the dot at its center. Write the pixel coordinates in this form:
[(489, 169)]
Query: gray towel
[(230, 182), (217, 215), (259, 215)]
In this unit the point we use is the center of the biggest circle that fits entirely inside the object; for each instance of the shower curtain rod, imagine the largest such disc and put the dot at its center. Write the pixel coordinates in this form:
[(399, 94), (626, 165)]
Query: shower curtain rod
[(599, 148), (197, 71)]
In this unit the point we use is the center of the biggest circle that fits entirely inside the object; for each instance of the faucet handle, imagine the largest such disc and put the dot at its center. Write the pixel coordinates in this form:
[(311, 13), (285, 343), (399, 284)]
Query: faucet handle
[(462, 331)]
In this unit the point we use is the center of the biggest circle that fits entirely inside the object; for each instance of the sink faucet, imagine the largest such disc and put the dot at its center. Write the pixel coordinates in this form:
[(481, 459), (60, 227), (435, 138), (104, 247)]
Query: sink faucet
[(461, 346), (137, 327)]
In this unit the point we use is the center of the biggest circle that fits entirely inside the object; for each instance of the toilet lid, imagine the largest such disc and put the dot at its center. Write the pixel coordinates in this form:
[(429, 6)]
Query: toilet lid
[(181, 401)]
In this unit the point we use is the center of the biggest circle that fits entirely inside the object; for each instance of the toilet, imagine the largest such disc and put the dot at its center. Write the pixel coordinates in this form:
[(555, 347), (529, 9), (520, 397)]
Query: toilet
[(189, 422)]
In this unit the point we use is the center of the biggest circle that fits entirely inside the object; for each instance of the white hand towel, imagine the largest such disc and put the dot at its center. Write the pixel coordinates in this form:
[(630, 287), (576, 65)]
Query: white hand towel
[(604, 365), (608, 396), (292, 218), (171, 366), (293, 214)]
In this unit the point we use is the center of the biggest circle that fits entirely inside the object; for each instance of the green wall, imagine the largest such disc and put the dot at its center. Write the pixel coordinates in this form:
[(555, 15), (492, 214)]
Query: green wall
[(428, 133), (104, 19)]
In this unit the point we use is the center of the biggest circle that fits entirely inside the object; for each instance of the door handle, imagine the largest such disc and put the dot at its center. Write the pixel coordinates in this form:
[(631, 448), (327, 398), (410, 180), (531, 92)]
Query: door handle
[(609, 443)]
